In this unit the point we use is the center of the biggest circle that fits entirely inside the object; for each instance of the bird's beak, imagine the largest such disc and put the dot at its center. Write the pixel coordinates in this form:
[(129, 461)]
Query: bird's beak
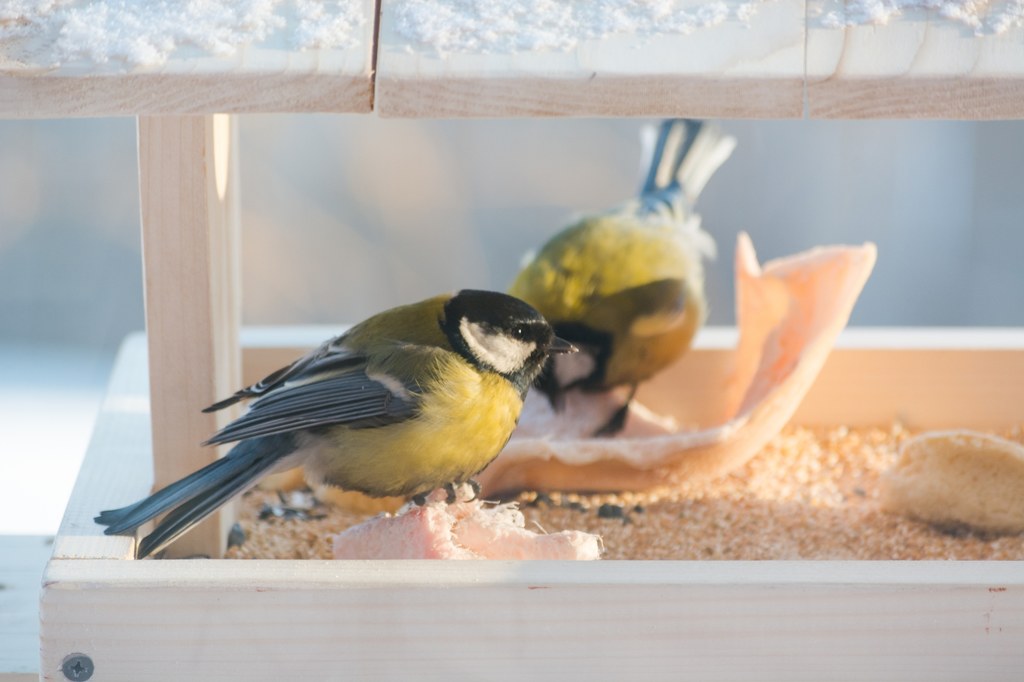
[(559, 345)]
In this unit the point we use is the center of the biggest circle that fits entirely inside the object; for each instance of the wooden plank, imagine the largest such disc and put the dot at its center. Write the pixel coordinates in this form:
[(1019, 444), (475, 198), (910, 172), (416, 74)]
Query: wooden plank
[(22, 560), (919, 64), (925, 378), (879, 387), (792, 621), (118, 465), (746, 65), (928, 378), (189, 194), (738, 59), (268, 74), (910, 376), (146, 94)]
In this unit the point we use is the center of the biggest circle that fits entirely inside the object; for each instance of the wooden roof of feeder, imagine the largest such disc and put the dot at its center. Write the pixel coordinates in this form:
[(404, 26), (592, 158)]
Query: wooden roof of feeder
[(746, 59)]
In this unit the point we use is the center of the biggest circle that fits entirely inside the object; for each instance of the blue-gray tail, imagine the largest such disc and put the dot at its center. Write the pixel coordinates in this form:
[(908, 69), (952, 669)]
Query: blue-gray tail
[(686, 154), (194, 497)]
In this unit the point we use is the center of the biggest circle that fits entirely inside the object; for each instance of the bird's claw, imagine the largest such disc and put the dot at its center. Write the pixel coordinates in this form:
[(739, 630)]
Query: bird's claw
[(618, 419), (454, 492), (457, 492), (614, 424)]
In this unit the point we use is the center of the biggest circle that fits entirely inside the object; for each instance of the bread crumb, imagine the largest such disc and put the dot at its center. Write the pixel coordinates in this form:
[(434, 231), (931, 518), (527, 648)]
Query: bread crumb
[(958, 478)]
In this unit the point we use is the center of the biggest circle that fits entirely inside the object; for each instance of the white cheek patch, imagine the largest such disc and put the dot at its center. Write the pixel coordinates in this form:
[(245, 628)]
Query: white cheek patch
[(573, 367), (505, 354)]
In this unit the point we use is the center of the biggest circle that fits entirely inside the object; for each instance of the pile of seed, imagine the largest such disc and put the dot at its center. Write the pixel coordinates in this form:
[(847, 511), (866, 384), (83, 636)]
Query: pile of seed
[(810, 494)]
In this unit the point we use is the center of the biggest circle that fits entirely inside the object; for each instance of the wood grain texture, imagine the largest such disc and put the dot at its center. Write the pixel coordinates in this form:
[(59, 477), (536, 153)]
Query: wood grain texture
[(22, 560), (732, 70), (922, 389), (270, 76), (918, 65), (23, 96), (716, 621), (118, 465), (191, 252), (927, 378)]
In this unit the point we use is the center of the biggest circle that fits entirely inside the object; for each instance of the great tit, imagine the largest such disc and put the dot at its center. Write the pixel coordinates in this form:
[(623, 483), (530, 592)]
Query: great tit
[(627, 286), (412, 399)]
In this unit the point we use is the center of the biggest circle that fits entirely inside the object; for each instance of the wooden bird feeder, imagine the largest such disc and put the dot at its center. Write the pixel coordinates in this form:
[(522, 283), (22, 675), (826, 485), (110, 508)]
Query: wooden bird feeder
[(278, 620)]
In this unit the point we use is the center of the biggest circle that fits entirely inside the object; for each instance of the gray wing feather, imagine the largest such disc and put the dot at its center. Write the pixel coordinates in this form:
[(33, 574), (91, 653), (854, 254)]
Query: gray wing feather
[(348, 397), (330, 355)]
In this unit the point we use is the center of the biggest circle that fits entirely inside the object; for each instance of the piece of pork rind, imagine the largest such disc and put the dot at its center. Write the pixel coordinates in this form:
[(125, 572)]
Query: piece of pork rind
[(462, 530)]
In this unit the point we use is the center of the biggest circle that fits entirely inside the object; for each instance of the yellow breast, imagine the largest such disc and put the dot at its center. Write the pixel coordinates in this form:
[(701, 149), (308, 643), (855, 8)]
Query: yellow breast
[(464, 422)]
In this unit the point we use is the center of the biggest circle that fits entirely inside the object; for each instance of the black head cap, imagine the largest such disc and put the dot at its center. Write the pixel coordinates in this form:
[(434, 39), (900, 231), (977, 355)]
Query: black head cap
[(500, 333)]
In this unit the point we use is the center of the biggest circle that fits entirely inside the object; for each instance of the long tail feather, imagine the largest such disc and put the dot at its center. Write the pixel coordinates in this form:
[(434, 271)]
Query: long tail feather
[(195, 510), (127, 519), (197, 495), (686, 154)]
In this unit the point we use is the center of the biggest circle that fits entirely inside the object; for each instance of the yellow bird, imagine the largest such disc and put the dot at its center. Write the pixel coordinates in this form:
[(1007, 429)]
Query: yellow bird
[(412, 399), (627, 286)]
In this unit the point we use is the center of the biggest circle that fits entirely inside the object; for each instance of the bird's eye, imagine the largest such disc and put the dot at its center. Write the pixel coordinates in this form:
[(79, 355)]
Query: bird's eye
[(519, 332)]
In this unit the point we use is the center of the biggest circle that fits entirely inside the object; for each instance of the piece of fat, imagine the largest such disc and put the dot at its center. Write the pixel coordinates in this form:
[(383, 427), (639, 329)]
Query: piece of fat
[(462, 530)]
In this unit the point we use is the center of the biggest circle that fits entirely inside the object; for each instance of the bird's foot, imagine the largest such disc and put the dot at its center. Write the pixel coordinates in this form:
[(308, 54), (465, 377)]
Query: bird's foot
[(462, 492), (453, 492), (614, 424)]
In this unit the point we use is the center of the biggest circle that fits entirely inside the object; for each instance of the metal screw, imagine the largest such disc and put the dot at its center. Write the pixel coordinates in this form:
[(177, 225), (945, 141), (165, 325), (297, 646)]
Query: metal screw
[(77, 667)]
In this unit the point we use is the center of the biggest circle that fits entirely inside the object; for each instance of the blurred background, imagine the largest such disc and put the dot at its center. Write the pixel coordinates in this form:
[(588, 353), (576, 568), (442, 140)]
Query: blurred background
[(345, 215)]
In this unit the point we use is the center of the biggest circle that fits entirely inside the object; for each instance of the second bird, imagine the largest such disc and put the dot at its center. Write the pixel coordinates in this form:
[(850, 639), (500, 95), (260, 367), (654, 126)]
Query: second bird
[(627, 286)]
